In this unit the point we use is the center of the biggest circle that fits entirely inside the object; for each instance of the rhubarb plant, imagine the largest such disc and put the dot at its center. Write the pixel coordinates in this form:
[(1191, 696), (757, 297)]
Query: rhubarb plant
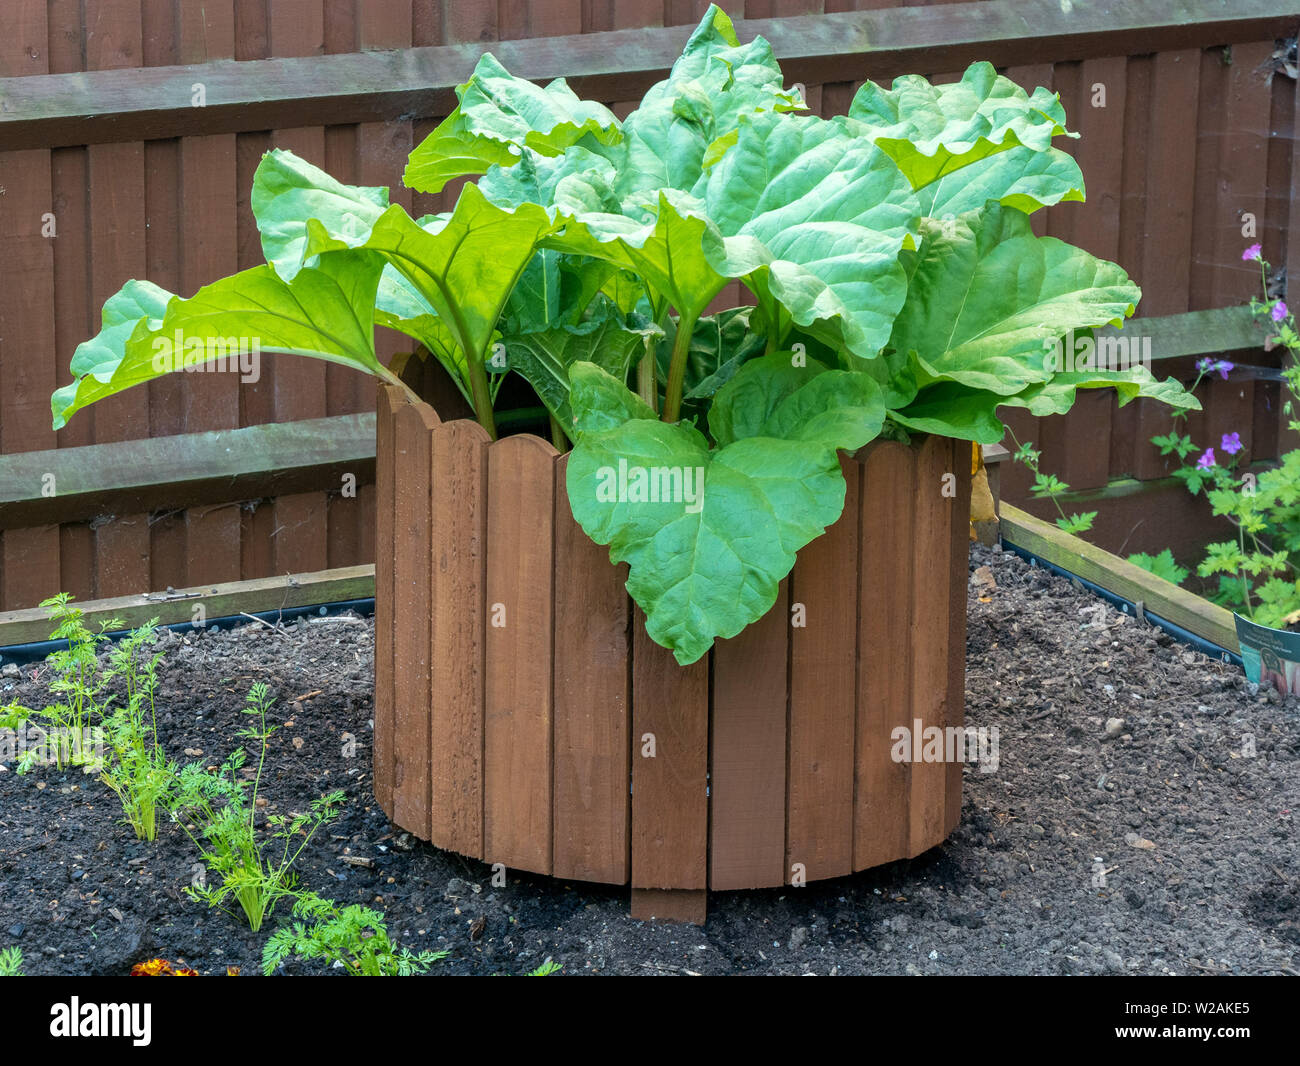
[(896, 288)]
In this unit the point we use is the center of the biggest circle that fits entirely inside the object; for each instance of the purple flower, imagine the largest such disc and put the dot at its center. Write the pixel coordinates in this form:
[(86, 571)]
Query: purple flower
[(1207, 460), (1223, 366), (1279, 311), (1231, 444), (1251, 253)]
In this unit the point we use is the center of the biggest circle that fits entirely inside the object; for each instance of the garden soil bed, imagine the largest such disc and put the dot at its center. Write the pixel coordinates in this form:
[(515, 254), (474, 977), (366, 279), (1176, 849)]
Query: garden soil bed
[(1195, 836)]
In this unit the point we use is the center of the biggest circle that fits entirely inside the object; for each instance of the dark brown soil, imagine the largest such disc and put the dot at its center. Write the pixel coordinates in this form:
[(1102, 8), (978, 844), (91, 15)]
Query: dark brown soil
[(1167, 846)]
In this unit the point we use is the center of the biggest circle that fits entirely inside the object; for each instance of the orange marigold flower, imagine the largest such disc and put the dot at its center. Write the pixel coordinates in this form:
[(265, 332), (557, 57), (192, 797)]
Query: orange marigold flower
[(161, 968)]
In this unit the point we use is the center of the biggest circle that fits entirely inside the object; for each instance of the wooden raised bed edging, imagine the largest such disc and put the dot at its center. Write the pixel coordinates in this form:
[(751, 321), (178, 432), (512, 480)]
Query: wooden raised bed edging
[(524, 717)]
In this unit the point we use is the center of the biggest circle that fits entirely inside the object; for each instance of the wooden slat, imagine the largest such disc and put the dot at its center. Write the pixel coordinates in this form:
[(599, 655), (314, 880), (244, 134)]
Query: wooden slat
[(823, 696), (66, 109), (297, 28), (517, 742), (29, 559), (592, 698), (1212, 170), (32, 624), (210, 401), (930, 545), (958, 549), (881, 813), (412, 611), (670, 814), (74, 317), (1242, 175), (1164, 271), (127, 477), (747, 761), (389, 399), (459, 556), (1119, 576)]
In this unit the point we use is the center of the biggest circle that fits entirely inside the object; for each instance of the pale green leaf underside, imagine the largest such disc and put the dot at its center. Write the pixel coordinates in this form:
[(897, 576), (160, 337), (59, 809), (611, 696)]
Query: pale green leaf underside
[(326, 311), (464, 266)]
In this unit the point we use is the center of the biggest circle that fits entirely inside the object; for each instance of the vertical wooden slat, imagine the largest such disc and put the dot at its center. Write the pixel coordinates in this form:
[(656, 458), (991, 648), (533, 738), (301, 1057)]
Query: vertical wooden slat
[(389, 400), (823, 696), (1081, 459), (747, 753), (1229, 408), (297, 28), (469, 21), (1242, 174), (931, 587), (412, 611), (517, 749), (72, 319), (670, 812), (592, 694), (208, 252), (882, 786), (1210, 119), (459, 557), (116, 187), (27, 375), (1164, 271), (959, 552)]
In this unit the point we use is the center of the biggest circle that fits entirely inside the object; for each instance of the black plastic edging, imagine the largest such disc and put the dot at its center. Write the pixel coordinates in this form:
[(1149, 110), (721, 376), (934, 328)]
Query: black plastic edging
[(1206, 647), (37, 651)]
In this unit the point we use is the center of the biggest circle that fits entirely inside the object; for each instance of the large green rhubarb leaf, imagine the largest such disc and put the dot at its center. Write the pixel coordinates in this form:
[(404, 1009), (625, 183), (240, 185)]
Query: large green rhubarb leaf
[(134, 301), (669, 247), (1057, 396), (690, 118), (933, 130), (287, 191), (814, 220), (464, 265), (498, 117), (709, 534), (987, 299), (326, 311)]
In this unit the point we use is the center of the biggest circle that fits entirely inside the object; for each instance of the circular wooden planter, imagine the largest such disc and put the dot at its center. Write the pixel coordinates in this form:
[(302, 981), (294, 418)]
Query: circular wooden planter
[(523, 716)]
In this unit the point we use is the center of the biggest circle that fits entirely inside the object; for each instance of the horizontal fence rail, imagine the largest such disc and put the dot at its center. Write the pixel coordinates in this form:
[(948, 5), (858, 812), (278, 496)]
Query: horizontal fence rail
[(123, 105)]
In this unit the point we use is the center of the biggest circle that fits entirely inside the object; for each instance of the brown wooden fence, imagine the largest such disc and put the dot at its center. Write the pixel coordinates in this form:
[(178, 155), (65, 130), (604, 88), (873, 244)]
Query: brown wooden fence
[(1196, 131)]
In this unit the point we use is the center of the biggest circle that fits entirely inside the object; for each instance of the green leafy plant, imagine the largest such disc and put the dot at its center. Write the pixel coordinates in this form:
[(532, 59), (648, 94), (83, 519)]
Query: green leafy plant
[(354, 937), (1051, 487), (108, 721), (11, 962), (134, 764), (547, 969), (218, 811), (1258, 571), (1162, 565), (80, 680), (897, 289)]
